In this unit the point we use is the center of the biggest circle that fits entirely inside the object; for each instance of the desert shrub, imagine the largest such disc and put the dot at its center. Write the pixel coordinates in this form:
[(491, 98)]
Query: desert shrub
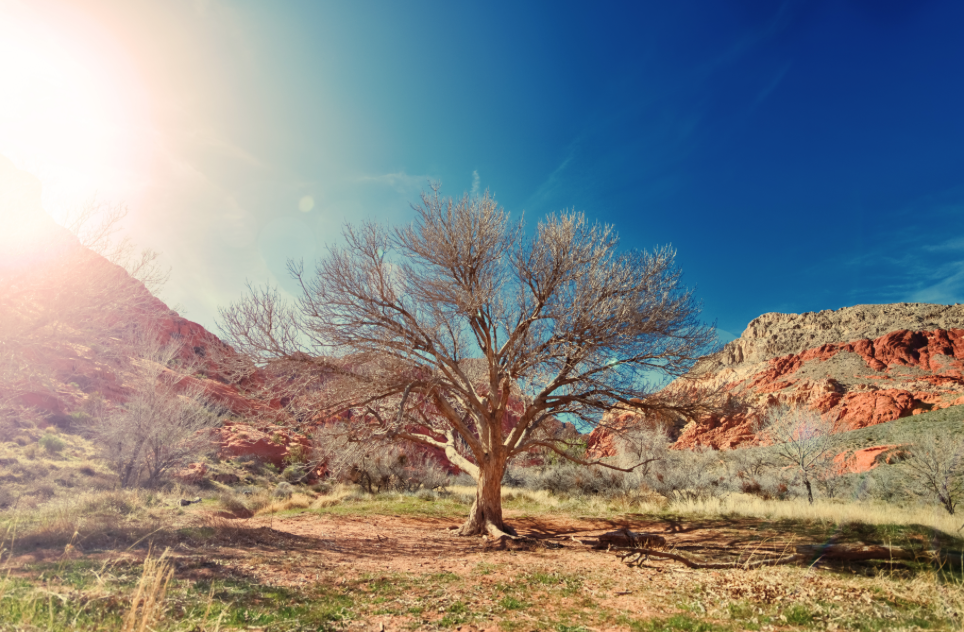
[(233, 502), (297, 455), (162, 426), (934, 469), (52, 443), (426, 494), (375, 466), (114, 502), (565, 478), (322, 487), (283, 490), (752, 471), (245, 500), (690, 475), (295, 472)]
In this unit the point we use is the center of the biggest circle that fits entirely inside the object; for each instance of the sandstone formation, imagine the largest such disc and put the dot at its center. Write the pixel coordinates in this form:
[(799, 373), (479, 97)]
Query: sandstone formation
[(66, 314), (858, 366), (270, 444)]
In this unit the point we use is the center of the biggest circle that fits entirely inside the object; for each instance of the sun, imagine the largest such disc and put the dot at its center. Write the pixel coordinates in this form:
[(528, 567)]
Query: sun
[(68, 113)]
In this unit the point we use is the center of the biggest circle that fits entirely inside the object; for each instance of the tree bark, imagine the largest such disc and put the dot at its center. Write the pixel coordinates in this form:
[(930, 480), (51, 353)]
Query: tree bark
[(806, 482), (485, 517)]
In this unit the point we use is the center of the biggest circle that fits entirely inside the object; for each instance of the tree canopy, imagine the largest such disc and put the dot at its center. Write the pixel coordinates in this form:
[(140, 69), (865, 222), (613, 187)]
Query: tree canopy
[(465, 332)]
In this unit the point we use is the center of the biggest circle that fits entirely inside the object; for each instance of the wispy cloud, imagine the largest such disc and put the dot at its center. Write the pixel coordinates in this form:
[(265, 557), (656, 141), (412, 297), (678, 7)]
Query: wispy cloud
[(400, 181), (950, 289), (551, 185), (476, 183), (899, 269), (770, 87)]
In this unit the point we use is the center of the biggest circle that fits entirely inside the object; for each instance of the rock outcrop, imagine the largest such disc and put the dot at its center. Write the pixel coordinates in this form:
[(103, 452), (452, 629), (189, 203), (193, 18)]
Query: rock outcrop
[(858, 366), (74, 328)]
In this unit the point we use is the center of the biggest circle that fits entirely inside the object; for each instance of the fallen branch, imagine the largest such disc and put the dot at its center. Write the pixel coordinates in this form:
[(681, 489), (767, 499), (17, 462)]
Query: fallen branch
[(626, 538), (635, 556), (854, 552)]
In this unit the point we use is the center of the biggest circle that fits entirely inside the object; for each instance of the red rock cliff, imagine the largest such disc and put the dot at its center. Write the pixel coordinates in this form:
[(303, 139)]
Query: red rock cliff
[(859, 366)]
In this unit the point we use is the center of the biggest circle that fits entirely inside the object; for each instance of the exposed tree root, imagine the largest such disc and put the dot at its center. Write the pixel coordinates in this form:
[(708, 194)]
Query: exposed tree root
[(489, 528), (635, 556)]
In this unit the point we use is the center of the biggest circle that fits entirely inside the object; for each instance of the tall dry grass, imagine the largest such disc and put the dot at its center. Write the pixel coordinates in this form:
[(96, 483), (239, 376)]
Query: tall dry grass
[(147, 602), (824, 511)]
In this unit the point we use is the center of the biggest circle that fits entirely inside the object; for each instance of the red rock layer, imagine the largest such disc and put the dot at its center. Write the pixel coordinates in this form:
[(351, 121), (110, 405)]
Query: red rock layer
[(907, 372)]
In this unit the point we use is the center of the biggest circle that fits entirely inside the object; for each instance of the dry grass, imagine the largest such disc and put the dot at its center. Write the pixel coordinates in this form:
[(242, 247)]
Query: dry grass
[(822, 511), (98, 518), (296, 501), (147, 603)]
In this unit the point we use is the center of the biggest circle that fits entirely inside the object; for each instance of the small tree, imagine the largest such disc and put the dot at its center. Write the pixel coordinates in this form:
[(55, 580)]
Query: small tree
[(935, 467), (163, 424), (461, 332), (803, 440)]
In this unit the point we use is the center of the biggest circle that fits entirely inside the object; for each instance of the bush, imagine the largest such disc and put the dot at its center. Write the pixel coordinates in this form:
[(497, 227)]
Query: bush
[(565, 478), (935, 469), (160, 428), (375, 466), (52, 443), (283, 490)]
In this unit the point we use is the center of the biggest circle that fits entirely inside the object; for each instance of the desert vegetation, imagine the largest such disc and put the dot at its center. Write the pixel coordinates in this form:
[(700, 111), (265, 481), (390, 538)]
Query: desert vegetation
[(338, 552), (331, 497)]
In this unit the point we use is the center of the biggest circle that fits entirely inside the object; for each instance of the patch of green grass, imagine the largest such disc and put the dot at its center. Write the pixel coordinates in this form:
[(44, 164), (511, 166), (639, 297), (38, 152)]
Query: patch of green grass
[(511, 603), (455, 614), (798, 615), (677, 623), (51, 443), (442, 578), (484, 568), (396, 504)]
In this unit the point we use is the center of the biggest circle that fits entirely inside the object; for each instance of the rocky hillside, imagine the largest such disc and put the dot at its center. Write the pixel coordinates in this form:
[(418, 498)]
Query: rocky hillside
[(76, 329), (859, 366)]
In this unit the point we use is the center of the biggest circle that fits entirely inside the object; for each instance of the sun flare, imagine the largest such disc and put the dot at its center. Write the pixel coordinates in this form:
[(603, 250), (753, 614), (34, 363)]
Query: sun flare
[(69, 112)]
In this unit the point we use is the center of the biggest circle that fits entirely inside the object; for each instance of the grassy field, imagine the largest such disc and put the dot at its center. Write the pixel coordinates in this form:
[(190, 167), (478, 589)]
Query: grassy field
[(78, 554), (345, 560)]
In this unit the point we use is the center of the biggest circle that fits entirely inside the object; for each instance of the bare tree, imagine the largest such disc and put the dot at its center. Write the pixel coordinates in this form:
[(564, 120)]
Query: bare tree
[(803, 440), (164, 422), (935, 466), (460, 331)]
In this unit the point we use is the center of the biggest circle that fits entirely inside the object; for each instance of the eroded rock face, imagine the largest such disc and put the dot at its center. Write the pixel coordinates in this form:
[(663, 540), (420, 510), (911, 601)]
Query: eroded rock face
[(857, 366), (69, 319), (270, 444)]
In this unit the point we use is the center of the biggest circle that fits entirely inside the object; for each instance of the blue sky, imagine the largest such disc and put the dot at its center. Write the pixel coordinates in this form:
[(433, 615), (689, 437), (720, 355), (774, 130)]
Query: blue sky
[(799, 155)]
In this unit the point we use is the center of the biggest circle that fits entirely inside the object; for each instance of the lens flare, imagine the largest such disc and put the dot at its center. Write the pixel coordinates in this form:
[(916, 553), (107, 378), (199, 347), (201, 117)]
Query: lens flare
[(69, 110)]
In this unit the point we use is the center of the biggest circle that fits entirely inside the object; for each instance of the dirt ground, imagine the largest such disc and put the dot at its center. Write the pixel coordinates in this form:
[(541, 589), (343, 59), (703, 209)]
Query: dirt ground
[(414, 572), (300, 550)]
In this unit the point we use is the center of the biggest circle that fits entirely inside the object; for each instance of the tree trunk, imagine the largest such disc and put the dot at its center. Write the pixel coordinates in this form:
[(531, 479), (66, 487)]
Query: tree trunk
[(806, 482), (485, 517)]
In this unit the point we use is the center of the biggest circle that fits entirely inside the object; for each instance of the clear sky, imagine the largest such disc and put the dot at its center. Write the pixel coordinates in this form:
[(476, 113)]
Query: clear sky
[(799, 155)]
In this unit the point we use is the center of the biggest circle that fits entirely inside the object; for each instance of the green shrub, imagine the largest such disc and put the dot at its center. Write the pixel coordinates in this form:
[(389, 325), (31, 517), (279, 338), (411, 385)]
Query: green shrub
[(52, 443)]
